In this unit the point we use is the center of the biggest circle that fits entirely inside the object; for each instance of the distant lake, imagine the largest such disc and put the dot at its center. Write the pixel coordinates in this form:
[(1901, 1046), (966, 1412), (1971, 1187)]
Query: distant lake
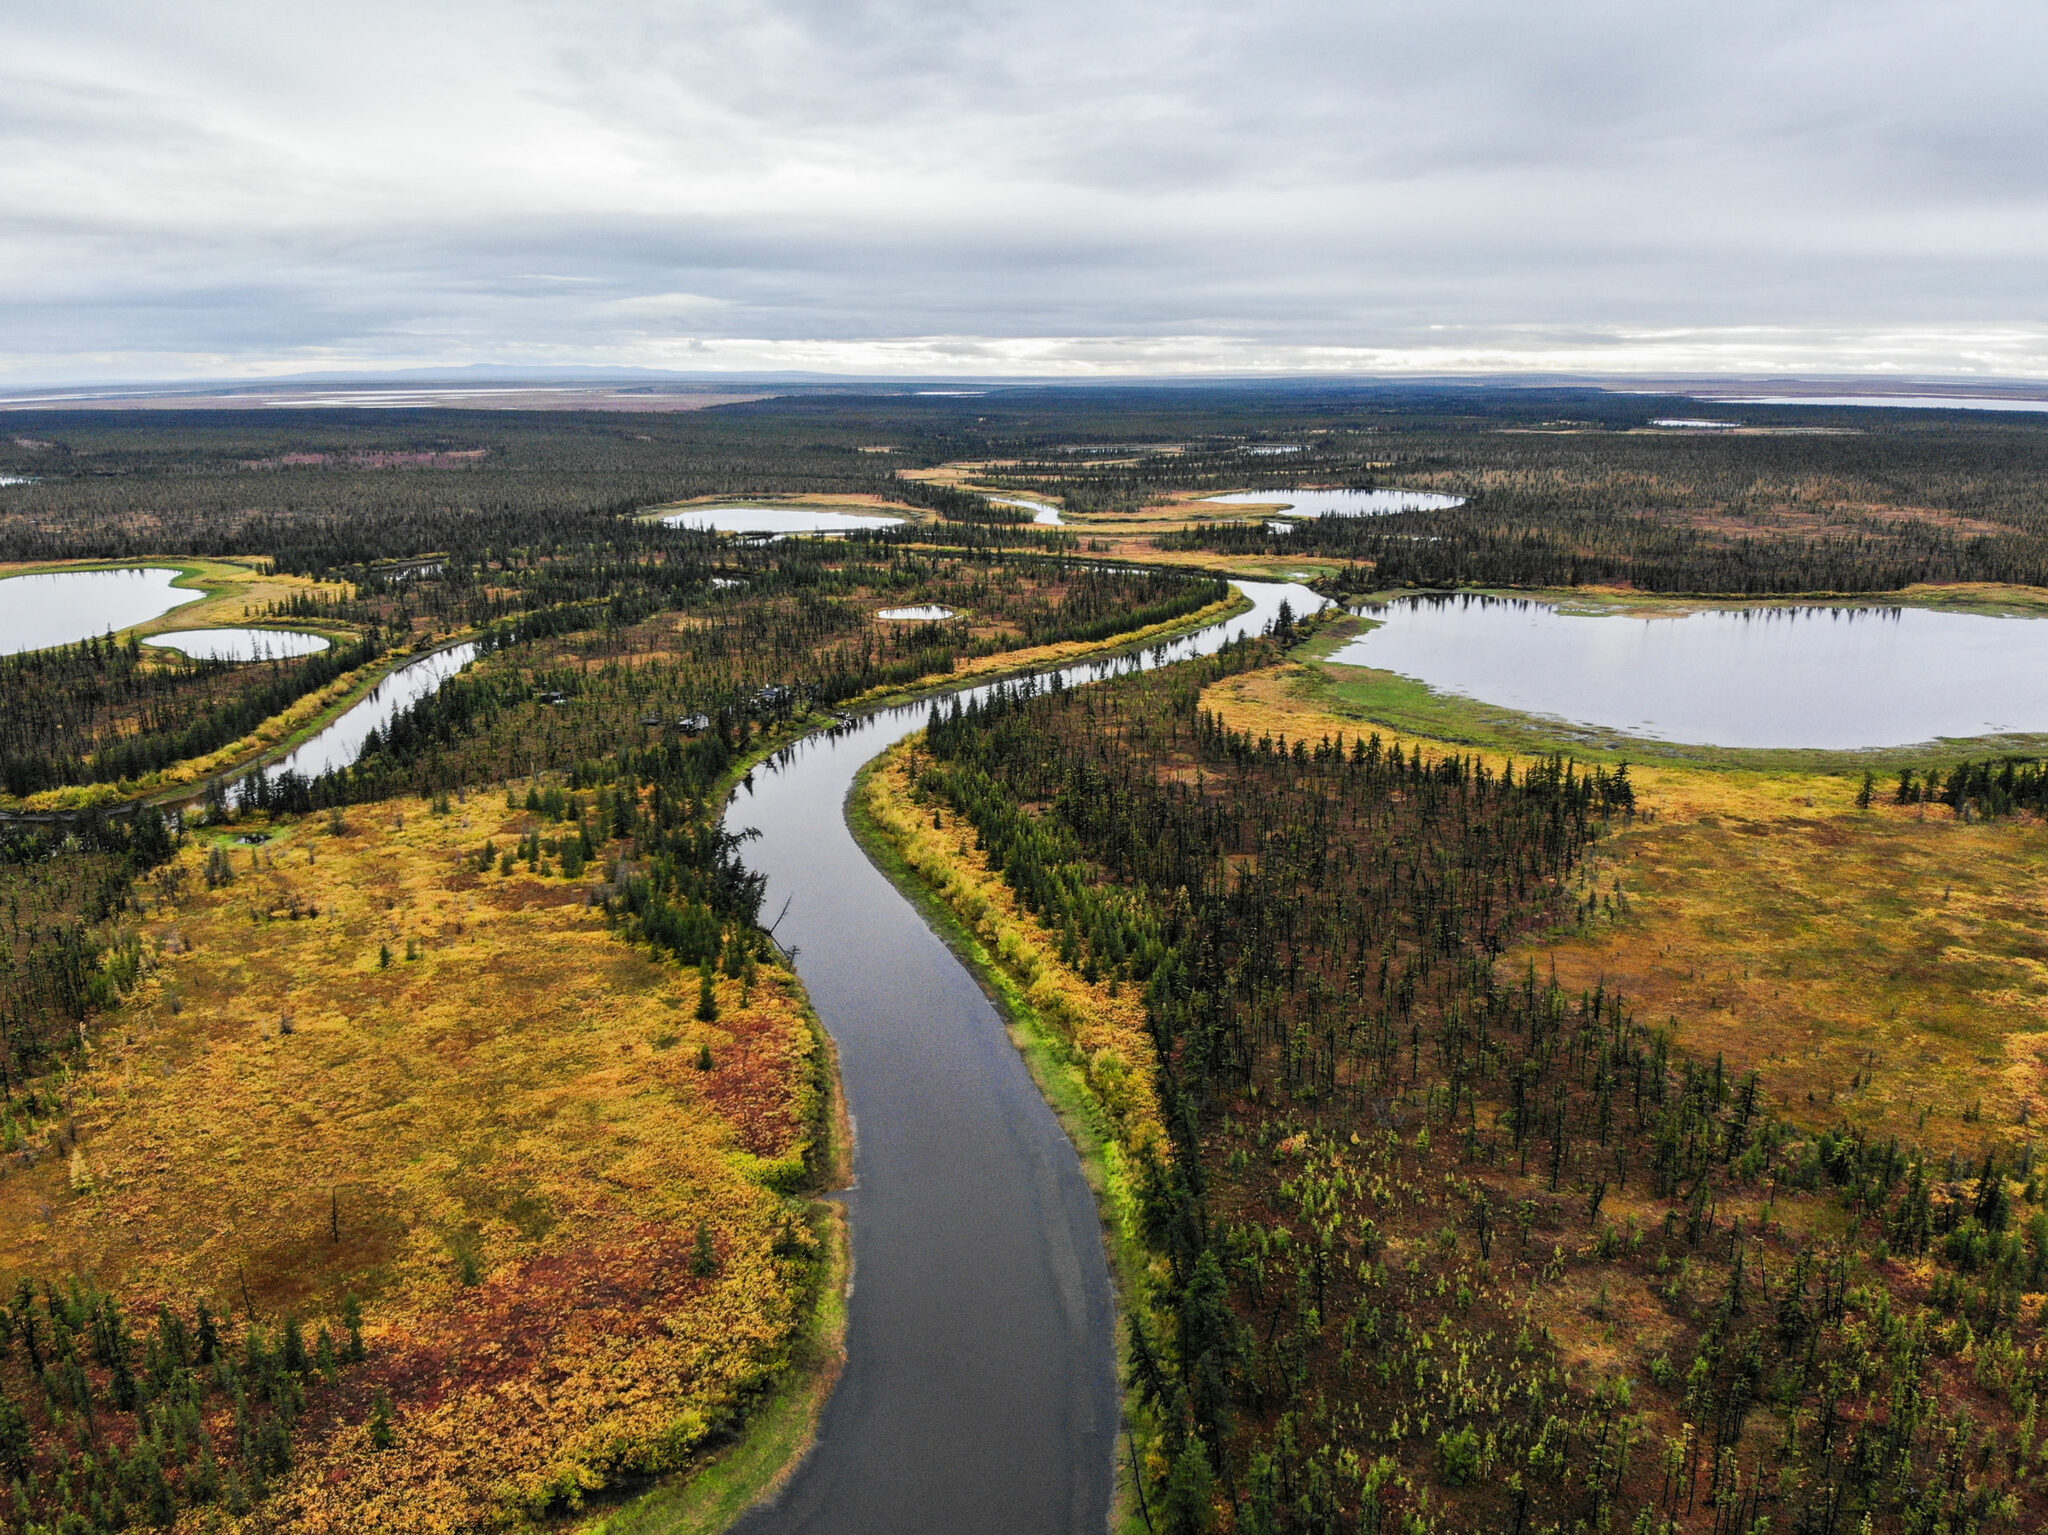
[(1043, 513), (774, 519), (239, 644), (1894, 401), (928, 613), (60, 607), (1342, 503), (1828, 677)]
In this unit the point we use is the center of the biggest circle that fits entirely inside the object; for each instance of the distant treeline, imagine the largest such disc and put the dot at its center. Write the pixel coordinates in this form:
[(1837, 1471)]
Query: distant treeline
[(1564, 485)]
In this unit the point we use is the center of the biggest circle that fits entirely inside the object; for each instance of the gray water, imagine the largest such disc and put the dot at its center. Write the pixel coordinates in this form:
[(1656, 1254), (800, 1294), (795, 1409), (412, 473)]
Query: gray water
[(1830, 677), (239, 644), (341, 742), (980, 1390), (1882, 401), (64, 606), (774, 519), (1341, 503)]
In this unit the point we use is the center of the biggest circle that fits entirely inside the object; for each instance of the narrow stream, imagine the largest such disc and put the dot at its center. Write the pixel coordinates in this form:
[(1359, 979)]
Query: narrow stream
[(980, 1389)]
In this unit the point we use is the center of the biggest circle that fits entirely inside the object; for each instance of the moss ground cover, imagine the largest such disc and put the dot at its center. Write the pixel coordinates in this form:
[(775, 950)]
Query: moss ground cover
[(365, 1067), (1880, 966), (1445, 1245)]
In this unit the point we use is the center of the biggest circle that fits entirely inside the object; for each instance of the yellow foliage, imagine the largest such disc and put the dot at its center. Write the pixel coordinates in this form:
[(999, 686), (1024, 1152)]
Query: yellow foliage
[(503, 1146), (1106, 1032), (1880, 966)]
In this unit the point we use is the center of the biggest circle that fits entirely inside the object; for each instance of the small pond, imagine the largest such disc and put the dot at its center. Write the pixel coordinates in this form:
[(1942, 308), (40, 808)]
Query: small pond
[(929, 613), (63, 606), (1829, 677), (1044, 513), (774, 519), (1341, 503), (239, 644)]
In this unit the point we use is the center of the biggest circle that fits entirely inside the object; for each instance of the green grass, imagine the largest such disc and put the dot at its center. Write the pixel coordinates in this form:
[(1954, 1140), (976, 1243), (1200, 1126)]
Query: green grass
[(1375, 697)]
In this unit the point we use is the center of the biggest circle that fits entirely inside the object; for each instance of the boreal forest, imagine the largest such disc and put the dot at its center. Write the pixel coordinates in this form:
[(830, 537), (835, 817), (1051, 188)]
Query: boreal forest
[(414, 1114)]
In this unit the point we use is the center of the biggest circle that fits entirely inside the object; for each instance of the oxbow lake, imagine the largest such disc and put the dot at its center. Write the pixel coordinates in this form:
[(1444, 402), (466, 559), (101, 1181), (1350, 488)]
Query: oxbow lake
[(1044, 513), (1826, 677), (63, 606), (774, 519), (1341, 503), (239, 644)]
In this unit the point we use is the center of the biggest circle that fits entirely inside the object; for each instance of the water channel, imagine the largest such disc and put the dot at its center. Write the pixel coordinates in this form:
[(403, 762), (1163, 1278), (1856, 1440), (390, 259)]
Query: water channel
[(980, 1387), (239, 644), (341, 741), (1836, 678), (61, 607)]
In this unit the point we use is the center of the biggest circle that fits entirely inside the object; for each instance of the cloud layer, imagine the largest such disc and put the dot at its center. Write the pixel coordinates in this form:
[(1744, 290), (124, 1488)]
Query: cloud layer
[(891, 185)]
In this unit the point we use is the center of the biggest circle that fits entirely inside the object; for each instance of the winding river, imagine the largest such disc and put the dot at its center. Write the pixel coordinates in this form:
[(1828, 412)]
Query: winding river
[(980, 1388)]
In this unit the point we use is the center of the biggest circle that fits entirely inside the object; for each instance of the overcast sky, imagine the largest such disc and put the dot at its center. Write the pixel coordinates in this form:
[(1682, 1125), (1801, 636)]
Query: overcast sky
[(212, 189)]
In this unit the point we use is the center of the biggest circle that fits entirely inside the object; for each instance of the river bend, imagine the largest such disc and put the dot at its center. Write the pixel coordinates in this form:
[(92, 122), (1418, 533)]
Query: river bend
[(980, 1389)]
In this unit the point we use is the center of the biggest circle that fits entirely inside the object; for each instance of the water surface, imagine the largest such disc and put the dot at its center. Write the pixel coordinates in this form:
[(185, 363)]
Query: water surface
[(774, 519), (63, 606), (239, 644), (341, 742), (1342, 503), (1829, 677), (980, 1389), (1892, 401), (1044, 513), (929, 612)]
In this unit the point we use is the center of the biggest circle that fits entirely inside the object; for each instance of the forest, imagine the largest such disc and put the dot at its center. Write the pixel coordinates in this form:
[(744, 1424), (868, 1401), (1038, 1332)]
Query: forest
[(1565, 486), (1432, 1240), (1440, 1246)]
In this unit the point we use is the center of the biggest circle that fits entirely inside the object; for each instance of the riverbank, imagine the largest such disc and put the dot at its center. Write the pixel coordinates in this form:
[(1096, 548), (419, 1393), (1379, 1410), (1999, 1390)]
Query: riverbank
[(1366, 698), (1084, 1042)]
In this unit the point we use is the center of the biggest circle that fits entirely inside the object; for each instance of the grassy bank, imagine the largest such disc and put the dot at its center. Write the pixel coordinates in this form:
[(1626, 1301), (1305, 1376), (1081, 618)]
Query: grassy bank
[(1365, 697), (1880, 967), (359, 1064), (1085, 1043)]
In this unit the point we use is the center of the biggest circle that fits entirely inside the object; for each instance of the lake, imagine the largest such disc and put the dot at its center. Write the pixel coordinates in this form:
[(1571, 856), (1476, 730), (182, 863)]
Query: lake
[(927, 613), (60, 607), (1044, 513), (774, 519), (239, 644), (1829, 677), (1341, 503)]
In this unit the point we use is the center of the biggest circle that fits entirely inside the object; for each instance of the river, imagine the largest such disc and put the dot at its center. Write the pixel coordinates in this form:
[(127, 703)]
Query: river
[(980, 1389)]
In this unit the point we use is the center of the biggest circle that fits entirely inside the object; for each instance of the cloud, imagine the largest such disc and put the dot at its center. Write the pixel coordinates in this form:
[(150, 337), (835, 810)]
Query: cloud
[(242, 187)]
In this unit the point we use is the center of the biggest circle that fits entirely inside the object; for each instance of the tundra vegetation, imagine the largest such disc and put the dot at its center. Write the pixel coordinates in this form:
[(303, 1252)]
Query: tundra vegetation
[(386, 1147), (1438, 1238), (1499, 1135)]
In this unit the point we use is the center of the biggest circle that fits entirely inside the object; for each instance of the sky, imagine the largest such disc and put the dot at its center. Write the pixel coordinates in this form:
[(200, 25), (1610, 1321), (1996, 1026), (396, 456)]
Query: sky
[(1086, 187)]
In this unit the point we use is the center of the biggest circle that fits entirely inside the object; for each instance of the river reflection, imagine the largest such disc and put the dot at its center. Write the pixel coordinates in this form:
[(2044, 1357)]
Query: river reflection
[(774, 519), (1809, 676)]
